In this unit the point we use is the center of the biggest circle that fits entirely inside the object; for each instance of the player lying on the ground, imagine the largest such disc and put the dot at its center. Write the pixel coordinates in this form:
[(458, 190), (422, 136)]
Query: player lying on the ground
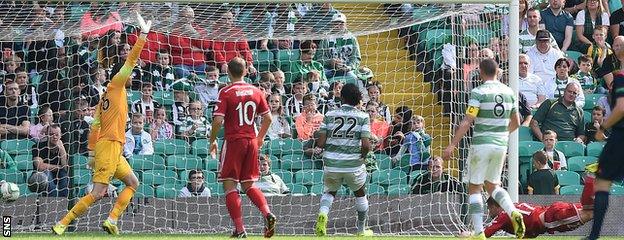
[(558, 217)]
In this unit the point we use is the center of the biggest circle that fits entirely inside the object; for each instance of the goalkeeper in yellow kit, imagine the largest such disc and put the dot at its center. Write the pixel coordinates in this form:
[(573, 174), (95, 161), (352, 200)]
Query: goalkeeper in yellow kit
[(106, 139)]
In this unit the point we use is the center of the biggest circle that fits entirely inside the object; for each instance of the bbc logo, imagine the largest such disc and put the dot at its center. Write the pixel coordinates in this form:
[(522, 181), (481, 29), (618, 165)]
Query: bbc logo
[(6, 226)]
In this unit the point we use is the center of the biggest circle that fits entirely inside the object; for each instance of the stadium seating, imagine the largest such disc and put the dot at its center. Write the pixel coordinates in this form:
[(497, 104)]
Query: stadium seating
[(587, 116), (79, 161), (184, 162), (577, 164), (567, 178), (309, 177), (571, 190), (389, 177), (171, 146), (526, 150), (571, 148), (212, 164), (482, 35), (617, 190), (209, 177), (167, 191), (435, 38), (404, 161), (82, 176), (24, 191), (525, 134), (375, 189), (165, 98), (286, 176), (24, 162), (158, 177), (216, 189), (399, 190), (383, 161), (317, 189), (144, 191), (590, 100), (296, 188), (282, 147), (574, 55), (147, 162), (17, 146), (13, 176), (296, 162), (200, 147), (133, 96), (263, 60), (595, 148)]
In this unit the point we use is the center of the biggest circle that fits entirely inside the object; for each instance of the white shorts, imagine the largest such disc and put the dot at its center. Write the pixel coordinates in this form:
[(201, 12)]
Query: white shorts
[(354, 180), (486, 163)]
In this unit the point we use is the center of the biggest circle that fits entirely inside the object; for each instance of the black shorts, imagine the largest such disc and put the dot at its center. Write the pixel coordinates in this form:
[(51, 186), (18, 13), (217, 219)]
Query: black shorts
[(611, 161)]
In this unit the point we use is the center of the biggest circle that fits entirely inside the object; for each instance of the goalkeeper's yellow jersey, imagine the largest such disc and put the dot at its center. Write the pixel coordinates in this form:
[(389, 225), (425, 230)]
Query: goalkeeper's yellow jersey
[(112, 110)]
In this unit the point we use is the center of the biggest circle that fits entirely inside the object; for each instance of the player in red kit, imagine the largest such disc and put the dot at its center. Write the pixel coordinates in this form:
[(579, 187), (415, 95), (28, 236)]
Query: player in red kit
[(237, 108), (558, 217)]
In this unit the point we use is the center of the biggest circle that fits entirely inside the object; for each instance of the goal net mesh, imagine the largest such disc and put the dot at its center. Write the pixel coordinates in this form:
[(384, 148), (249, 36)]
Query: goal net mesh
[(420, 56)]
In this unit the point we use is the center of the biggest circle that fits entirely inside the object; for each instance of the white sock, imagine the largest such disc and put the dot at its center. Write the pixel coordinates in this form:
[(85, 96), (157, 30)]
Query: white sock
[(361, 204), (475, 209), (504, 200), (326, 201)]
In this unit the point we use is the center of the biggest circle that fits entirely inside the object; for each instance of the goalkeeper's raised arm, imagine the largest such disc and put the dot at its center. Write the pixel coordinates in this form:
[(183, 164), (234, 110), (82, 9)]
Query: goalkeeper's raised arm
[(122, 77)]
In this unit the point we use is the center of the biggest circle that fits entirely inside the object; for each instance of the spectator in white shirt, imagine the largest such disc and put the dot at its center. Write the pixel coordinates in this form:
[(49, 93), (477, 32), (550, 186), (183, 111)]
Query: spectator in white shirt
[(146, 105), (527, 36), (530, 84), (543, 56), (138, 141), (195, 186)]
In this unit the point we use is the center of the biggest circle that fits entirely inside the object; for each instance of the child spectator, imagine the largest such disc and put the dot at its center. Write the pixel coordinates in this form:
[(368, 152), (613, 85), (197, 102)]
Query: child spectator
[(374, 92), (556, 157), (28, 92), (315, 85), (294, 103), (599, 50), (10, 65), (146, 104), (332, 101), (196, 186), (557, 86), (280, 126), (196, 125), (584, 75), (180, 102), (270, 183), (160, 74), (418, 143), (379, 127), (543, 181), (278, 83), (309, 120), (160, 129), (400, 125), (138, 141), (45, 118), (598, 117), (207, 90), (266, 77)]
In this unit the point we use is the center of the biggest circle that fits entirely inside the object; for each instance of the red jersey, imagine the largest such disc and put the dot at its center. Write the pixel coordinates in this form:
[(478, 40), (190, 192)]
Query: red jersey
[(558, 217), (239, 104)]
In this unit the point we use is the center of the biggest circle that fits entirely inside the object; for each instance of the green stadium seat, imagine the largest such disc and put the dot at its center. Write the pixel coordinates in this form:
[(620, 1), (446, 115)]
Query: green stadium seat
[(526, 168), (318, 189), (200, 147), (275, 162), (147, 162), (216, 189), (374, 189), (617, 190), (414, 174), (209, 177), (389, 177), (399, 190), (296, 188), (309, 177), (144, 191), (263, 60), (383, 161), (578, 163), (165, 98), (574, 55), (24, 162), (435, 38), (79, 161), (404, 161), (158, 177), (595, 148), (167, 191), (297, 162), (286, 176), (171, 147), (24, 191), (525, 134), (17, 146), (13, 176), (587, 116), (567, 178), (590, 100), (184, 162), (571, 148), (343, 79), (481, 35), (81, 176), (212, 164), (282, 147), (571, 190), (133, 96), (527, 148)]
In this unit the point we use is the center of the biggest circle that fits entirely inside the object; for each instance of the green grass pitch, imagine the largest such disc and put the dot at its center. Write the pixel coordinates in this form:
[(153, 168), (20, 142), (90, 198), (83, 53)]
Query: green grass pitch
[(92, 236)]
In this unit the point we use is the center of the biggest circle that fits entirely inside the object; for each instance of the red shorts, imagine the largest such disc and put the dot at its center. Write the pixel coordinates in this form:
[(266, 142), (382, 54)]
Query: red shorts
[(562, 217), (239, 160)]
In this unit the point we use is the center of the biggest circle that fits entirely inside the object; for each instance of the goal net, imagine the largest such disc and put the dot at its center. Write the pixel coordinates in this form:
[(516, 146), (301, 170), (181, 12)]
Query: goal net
[(409, 60)]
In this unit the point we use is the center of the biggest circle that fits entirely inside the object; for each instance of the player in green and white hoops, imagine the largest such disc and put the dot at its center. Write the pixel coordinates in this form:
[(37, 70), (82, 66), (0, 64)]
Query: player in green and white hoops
[(493, 110), (344, 135)]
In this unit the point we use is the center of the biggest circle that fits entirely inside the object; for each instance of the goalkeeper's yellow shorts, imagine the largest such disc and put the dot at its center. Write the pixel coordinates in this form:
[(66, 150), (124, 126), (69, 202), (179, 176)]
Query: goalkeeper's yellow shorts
[(109, 162)]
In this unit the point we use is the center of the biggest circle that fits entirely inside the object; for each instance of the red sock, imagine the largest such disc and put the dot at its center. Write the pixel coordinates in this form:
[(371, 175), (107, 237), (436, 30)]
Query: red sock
[(233, 204), (587, 197), (257, 198)]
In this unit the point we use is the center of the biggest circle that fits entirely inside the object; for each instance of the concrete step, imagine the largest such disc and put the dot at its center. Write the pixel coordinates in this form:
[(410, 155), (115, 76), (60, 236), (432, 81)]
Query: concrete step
[(402, 77), (386, 55), (384, 43), (391, 66)]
